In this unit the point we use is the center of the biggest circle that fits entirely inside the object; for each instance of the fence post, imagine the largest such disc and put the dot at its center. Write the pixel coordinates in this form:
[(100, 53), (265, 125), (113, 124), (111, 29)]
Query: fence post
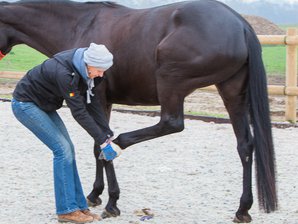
[(291, 77)]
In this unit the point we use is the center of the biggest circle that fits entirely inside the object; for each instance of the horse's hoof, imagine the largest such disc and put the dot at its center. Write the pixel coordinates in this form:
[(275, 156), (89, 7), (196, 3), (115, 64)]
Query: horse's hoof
[(114, 212), (97, 202), (242, 219)]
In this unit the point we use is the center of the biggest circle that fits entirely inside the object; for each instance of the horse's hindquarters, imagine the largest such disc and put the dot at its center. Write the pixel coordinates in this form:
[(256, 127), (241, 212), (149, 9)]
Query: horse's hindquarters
[(200, 49)]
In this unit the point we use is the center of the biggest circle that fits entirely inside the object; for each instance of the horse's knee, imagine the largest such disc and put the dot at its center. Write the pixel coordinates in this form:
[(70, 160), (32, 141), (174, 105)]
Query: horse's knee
[(171, 125)]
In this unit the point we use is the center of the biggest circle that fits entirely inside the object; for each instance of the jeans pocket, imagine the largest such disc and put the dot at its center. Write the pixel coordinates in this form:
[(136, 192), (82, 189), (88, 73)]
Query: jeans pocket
[(15, 106), (26, 106), (22, 109)]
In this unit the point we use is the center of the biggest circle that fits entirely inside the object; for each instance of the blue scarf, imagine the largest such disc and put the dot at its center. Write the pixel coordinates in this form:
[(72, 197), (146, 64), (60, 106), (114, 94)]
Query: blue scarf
[(79, 64)]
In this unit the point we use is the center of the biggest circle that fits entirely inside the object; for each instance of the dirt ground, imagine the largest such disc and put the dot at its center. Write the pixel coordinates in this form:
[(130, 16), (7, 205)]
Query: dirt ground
[(191, 177), (200, 102)]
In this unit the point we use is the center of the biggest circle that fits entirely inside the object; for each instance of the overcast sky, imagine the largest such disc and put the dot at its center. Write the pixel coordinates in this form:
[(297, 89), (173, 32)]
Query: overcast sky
[(275, 1), (161, 1)]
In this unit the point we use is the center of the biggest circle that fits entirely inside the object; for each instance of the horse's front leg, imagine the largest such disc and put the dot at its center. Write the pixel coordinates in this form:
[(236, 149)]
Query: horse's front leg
[(171, 121), (98, 186), (111, 209)]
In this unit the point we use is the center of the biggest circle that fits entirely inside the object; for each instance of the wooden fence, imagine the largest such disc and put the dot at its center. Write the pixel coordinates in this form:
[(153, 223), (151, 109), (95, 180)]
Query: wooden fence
[(289, 90)]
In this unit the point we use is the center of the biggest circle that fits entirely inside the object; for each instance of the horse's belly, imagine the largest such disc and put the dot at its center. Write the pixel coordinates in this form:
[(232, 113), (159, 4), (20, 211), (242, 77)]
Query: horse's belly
[(139, 94)]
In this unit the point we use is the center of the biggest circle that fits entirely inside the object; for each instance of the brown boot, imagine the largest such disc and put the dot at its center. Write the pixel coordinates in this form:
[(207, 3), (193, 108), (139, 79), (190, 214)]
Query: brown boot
[(88, 212), (75, 217)]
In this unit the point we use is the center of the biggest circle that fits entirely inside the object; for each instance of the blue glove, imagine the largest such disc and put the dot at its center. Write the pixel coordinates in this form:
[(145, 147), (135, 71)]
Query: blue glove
[(108, 153), (109, 150)]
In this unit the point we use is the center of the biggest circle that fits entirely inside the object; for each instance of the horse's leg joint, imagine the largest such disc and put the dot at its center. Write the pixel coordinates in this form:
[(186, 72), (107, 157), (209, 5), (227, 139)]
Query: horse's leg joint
[(167, 125), (114, 194), (245, 152), (171, 125)]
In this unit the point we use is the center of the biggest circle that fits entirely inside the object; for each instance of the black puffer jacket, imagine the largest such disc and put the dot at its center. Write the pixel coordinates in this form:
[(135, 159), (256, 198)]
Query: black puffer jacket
[(55, 80)]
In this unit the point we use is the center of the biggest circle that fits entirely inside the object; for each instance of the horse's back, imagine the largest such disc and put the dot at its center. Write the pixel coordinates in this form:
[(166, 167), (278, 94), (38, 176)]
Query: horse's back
[(182, 41)]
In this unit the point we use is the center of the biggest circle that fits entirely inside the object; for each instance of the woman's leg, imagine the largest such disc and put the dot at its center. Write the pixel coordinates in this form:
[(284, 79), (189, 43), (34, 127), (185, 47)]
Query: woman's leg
[(80, 197), (41, 124)]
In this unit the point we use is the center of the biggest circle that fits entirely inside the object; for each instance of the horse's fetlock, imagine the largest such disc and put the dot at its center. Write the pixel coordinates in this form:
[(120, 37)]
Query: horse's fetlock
[(114, 194), (98, 187)]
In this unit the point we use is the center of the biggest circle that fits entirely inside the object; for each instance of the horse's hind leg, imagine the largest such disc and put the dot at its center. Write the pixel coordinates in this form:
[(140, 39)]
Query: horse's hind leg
[(234, 95)]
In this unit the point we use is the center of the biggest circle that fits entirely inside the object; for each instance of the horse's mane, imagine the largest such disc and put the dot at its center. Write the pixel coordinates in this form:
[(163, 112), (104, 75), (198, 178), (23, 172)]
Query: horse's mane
[(103, 3)]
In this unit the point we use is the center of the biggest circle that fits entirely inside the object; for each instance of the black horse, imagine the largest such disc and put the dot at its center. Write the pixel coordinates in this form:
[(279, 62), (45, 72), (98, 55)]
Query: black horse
[(162, 54)]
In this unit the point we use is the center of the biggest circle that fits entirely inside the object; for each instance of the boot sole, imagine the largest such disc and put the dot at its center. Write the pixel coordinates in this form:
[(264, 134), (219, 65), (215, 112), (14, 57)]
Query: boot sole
[(72, 221)]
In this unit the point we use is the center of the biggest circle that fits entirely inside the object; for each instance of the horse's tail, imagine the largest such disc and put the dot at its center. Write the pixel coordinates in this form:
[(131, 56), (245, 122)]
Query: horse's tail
[(260, 119)]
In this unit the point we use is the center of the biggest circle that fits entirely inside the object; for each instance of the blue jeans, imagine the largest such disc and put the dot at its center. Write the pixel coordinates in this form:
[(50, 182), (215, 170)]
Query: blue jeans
[(50, 129)]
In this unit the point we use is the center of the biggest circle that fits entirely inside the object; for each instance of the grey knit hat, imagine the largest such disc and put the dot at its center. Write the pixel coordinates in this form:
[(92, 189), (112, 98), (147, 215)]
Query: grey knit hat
[(98, 56)]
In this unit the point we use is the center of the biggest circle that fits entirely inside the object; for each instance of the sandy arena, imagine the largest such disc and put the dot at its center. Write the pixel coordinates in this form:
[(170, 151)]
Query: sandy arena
[(192, 177)]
